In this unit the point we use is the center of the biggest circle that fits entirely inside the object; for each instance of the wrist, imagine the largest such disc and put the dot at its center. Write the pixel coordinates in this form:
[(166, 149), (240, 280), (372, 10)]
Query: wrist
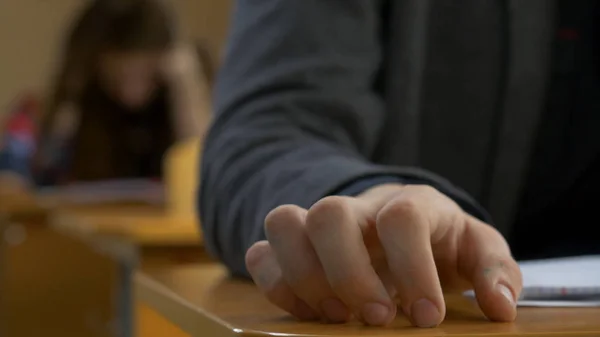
[(183, 81), (181, 65)]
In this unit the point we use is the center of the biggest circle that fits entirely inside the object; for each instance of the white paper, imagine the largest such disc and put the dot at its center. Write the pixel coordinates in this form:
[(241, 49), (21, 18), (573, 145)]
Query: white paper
[(562, 282), (573, 272), (560, 304)]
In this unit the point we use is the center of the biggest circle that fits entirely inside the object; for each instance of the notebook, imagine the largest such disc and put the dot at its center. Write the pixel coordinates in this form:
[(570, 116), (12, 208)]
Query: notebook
[(561, 282)]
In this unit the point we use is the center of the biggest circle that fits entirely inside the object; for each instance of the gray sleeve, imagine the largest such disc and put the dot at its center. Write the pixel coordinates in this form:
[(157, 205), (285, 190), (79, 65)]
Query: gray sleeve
[(296, 116)]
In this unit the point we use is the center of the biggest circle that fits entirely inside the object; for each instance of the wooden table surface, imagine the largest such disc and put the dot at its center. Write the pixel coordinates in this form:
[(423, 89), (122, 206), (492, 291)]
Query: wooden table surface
[(143, 225), (18, 204), (131, 232), (68, 294), (203, 301), (132, 236)]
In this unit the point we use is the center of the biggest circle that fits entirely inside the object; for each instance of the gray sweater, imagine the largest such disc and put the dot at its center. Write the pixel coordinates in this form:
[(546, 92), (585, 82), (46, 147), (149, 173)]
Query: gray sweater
[(316, 95)]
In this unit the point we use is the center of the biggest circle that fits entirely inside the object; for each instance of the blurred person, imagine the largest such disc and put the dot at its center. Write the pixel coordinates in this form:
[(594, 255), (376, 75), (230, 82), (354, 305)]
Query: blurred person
[(371, 153), (127, 89)]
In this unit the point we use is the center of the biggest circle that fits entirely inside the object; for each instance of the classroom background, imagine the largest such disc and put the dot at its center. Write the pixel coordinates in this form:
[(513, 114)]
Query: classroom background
[(68, 256), (125, 258), (31, 32)]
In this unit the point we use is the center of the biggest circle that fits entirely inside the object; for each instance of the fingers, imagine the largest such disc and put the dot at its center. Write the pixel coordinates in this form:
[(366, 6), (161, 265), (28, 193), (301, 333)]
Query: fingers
[(285, 229), (404, 228), (327, 262), (334, 226), (495, 275), (264, 269)]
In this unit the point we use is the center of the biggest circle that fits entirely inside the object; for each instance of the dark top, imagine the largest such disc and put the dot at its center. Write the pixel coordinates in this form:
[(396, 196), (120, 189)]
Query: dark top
[(116, 142), (303, 111), (560, 198), (112, 142), (559, 202)]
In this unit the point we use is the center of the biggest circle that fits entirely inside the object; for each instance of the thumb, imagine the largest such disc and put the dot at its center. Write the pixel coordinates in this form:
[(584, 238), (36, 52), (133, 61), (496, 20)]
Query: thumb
[(488, 264)]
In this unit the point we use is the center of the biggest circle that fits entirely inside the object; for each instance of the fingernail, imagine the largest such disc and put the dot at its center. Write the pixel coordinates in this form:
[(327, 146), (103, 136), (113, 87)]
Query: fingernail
[(335, 310), (507, 293), (375, 314), (425, 314)]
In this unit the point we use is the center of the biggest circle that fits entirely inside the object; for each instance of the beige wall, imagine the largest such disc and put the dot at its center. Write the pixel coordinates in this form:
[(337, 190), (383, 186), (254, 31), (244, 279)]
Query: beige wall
[(31, 31)]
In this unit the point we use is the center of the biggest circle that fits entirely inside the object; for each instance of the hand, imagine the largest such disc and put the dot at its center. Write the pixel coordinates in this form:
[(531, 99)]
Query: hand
[(182, 61), (354, 256)]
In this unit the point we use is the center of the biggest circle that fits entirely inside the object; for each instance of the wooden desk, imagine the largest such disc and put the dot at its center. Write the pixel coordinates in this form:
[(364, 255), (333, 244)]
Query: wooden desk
[(145, 226), (50, 285), (20, 206), (130, 237), (139, 234), (203, 301)]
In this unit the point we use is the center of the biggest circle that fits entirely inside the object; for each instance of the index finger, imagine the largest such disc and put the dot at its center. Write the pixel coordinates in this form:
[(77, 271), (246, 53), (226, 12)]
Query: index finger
[(404, 229), (333, 226), (488, 264)]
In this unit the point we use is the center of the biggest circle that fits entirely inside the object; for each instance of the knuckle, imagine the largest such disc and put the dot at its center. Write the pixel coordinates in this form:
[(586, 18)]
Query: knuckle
[(256, 254), (280, 218), (401, 208), (326, 211), (508, 263), (396, 211)]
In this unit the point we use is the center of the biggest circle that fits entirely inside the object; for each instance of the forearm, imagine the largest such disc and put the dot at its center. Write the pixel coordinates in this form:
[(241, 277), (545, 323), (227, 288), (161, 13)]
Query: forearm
[(247, 174), (190, 102), (296, 117)]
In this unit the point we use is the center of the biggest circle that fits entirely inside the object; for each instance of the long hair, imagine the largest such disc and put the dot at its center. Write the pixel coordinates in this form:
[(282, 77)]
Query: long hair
[(122, 25), (104, 25)]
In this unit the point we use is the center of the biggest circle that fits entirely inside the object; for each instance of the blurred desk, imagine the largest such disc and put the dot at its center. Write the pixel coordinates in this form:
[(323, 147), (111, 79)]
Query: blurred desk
[(20, 205), (50, 285), (130, 237), (203, 301), (147, 226), (146, 235)]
